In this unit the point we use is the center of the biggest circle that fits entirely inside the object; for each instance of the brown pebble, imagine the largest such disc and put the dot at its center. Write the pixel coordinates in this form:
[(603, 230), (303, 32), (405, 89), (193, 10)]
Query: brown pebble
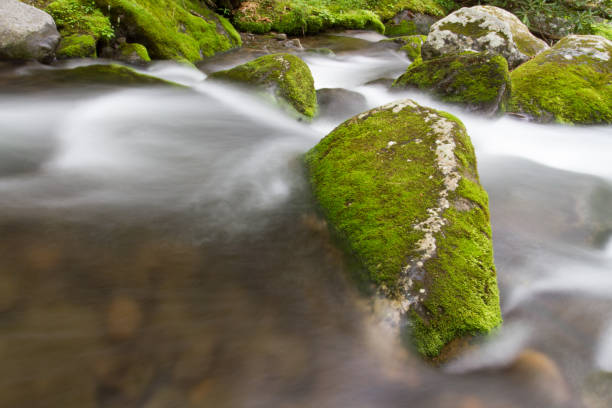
[(542, 374), (124, 318)]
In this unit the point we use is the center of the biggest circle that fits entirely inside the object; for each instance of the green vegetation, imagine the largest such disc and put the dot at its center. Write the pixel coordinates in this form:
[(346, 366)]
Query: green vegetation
[(80, 17), (300, 17), (288, 76), (375, 192), (554, 19), (479, 80), (402, 29), (574, 89), (77, 46)]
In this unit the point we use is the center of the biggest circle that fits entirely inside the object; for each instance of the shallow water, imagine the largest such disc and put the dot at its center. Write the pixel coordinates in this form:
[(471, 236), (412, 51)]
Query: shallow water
[(160, 248)]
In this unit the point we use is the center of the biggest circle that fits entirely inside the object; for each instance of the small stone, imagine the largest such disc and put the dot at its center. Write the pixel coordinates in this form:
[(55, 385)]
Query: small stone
[(124, 318), (281, 37)]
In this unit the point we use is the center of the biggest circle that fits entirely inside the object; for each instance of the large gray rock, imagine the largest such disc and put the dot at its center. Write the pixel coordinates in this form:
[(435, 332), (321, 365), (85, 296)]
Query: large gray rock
[(483, 28), (26, 32)]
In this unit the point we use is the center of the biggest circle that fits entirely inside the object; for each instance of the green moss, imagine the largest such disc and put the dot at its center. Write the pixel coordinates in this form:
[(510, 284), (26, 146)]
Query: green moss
[(553, 87), (413, 45), (80, 17), (375, 192), (77, 46), (133, 52), (603, 29), (401, 29), (477, 79), (301, 17), (172, 29), (287, 74)]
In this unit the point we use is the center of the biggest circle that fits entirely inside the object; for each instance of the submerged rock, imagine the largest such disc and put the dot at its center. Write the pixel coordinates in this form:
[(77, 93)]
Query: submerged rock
[(483, 28), (399, 183), (570, 83), (90, 76), (339, 102), (479, 80), (284, 75), (26, 33)]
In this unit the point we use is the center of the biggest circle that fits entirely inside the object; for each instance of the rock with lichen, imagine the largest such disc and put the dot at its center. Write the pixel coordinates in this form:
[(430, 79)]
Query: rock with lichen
[(483, 28), (285, 76), (479, 81), (569, 83), (399, 185), (26, 33)]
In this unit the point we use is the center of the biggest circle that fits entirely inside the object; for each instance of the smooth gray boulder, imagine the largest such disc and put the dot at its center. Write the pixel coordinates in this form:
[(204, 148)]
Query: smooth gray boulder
[(26, 32), (482, 28)]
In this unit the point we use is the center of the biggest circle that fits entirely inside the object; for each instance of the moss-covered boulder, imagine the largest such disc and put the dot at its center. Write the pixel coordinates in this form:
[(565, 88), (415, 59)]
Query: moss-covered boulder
[(483, 28), (77, 46), (481, 81), (569, 83), (132, 53), (286, 76), (172, 29), (77, 18), (403, 28), (399, 183)]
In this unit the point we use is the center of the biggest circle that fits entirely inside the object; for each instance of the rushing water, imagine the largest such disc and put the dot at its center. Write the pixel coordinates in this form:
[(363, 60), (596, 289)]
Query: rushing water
[(160, 248)]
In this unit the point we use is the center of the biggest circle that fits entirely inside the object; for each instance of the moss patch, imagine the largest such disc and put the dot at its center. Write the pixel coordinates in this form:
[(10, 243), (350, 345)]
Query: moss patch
[(77, 46), (403, 28), (413, 44), (377, 178), (480, 80), (287, 75), (566, 84), (133, 53), (603, 29), (80, 17)]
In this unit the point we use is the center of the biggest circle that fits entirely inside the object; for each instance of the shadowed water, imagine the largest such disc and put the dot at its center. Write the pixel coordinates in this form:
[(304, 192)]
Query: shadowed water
[(160, 248)]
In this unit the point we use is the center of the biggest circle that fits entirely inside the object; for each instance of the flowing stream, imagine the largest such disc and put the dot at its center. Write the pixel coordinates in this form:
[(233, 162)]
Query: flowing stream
[(159, 248)]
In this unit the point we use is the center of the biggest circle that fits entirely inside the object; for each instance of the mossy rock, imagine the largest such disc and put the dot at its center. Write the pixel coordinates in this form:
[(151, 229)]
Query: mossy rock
[(91, 76), (569, 83), (403, 28), (285, 75), (412, 46), (480, 81), (133, 53), (603, 29), (400, 185), (172, 29), (482, 28), (77, 46)]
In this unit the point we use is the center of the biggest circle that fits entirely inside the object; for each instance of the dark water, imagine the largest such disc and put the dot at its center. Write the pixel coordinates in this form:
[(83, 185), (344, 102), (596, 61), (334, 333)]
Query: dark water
[(159, 248)]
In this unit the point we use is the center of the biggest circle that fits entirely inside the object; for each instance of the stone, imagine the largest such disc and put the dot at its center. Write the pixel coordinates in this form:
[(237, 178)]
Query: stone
[(399, 185), (483, 28), (286, 76), (542, 375), (479, 81), (124, 318), (569, 83), (339, 102), (77, 46), (26, 33), (133, 53)]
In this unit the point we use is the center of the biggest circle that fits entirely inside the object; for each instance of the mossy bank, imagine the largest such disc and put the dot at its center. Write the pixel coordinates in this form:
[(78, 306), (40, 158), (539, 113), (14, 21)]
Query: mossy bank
[(399, 183), (284, 75)]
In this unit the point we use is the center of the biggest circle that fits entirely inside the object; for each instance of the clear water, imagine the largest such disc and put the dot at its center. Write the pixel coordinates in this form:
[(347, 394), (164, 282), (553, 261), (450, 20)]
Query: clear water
[(160, 248)]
